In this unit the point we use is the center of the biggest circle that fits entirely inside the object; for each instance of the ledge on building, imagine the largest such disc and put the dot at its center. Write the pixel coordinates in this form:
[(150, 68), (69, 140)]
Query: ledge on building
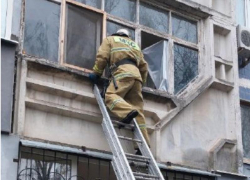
[(42, 64), (9, 41), (187, 170), (230, 173)]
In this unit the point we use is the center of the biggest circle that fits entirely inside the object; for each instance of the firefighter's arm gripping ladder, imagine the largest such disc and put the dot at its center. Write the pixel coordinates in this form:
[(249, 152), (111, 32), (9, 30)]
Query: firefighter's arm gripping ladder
[(121, 161)]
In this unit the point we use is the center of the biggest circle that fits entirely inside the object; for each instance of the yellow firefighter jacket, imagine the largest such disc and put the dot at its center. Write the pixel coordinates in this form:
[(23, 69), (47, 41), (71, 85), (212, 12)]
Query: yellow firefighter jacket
[(116, 48)]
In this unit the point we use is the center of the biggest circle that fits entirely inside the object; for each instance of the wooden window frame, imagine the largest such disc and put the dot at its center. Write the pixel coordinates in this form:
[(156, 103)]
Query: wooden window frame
[(62, 45)]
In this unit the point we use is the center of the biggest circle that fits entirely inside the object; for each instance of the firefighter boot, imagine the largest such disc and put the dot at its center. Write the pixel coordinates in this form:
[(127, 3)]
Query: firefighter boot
[(129, 118)]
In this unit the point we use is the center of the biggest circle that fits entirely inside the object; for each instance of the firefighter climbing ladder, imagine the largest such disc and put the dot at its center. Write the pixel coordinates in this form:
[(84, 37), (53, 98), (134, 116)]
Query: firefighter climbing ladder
[(122, 162)]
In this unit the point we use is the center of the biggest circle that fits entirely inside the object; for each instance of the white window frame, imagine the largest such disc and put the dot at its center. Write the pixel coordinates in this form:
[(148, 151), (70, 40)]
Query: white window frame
[(247, 15), (9, 14)]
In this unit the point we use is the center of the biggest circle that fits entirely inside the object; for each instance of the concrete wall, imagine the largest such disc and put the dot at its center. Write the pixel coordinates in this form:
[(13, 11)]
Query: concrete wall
[(191, 135), (9, 152)]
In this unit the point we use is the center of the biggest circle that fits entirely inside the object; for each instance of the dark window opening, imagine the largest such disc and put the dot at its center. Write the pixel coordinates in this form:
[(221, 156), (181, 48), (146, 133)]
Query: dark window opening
[(174, 175), (245, 122), (148, 40), (83, 36)]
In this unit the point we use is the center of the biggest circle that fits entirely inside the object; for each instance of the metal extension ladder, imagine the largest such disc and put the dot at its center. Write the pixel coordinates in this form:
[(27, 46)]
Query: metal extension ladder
[(123, 162)]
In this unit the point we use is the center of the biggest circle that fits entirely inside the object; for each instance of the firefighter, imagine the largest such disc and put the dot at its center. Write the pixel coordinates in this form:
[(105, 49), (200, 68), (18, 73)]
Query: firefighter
[(129, 71)]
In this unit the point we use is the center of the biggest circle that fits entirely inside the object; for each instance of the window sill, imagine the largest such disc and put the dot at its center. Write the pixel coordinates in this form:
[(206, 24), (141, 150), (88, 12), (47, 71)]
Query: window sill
[(9, 41), (147, 92)]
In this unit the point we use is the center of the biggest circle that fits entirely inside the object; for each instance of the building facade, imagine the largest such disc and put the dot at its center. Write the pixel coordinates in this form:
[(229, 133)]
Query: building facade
[(196, 100)]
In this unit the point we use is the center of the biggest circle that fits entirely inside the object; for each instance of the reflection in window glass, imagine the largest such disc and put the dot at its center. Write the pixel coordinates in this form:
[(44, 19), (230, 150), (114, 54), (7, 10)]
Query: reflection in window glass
[(125, 9), (4, 5), (244, 72), (61, 166), (240, 12), (184, 29), (245, 94), (153, 18), (42, 29), (113, 27), (84, 34), (245, 121), (94, 3), (37, 166), (185, 66)]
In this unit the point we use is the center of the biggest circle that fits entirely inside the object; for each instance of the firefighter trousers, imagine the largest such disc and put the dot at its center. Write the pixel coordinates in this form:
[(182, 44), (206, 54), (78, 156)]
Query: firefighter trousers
[(126, 98)]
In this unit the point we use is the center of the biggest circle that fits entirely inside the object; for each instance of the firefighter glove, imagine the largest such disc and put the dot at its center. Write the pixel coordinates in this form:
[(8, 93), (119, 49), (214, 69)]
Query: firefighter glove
[(94, 78)]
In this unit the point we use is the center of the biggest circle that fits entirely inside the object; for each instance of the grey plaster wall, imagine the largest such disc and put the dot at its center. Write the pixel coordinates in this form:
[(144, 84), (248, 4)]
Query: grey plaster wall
[(7, 78), (190, 136), (9, 151)]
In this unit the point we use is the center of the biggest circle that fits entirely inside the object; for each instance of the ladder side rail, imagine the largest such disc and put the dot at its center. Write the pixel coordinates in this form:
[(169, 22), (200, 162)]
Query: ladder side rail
[(153, 168), (113, 139), (119, 172)]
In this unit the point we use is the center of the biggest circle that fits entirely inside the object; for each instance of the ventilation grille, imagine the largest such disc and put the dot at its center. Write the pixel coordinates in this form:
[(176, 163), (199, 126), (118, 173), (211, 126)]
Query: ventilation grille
[(245, 38)]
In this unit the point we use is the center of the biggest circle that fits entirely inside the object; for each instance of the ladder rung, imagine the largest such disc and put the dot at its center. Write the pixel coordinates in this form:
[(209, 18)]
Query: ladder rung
[(143, 178), (143, 164), (145, 175), (130, 139), (136, 156), (130, 126)]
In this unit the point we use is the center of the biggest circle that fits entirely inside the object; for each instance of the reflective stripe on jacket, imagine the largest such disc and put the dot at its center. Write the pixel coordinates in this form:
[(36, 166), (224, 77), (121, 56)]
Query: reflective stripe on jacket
[(116, 48)]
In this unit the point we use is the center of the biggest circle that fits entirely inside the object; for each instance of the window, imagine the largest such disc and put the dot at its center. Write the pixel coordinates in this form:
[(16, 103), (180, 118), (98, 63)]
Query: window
[(6, 18), (41, 35), (112, 27), (154, 18), (243, 12), (244, 72), (4, 5), (45, 164), (183, 32), (70, 32), (184, 29), (125, 9), (83, 36), (94, 3), (174, 175), (245, 122), (185, 66)]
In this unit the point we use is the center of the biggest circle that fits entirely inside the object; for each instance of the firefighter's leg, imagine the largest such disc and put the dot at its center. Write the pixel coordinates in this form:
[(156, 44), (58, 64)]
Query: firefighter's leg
[(134, 97), (114, 98)]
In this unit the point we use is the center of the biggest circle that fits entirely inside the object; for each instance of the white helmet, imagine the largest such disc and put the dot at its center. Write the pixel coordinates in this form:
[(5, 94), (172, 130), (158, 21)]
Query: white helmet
[(123, 32)]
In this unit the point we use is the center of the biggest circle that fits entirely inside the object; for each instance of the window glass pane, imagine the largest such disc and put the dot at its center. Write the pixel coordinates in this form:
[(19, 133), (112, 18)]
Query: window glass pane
[(4, 6), (42, 29), (245, 94), (153, 18), (43, 166), (84, 34), (94, 3), (113, 27), (244, 71), (185, 66), (240, 12), (184, 29), (245, 121), (125, 9)]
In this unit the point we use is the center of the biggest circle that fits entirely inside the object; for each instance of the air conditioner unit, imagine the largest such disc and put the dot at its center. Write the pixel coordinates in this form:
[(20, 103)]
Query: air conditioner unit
[(243, 38)]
